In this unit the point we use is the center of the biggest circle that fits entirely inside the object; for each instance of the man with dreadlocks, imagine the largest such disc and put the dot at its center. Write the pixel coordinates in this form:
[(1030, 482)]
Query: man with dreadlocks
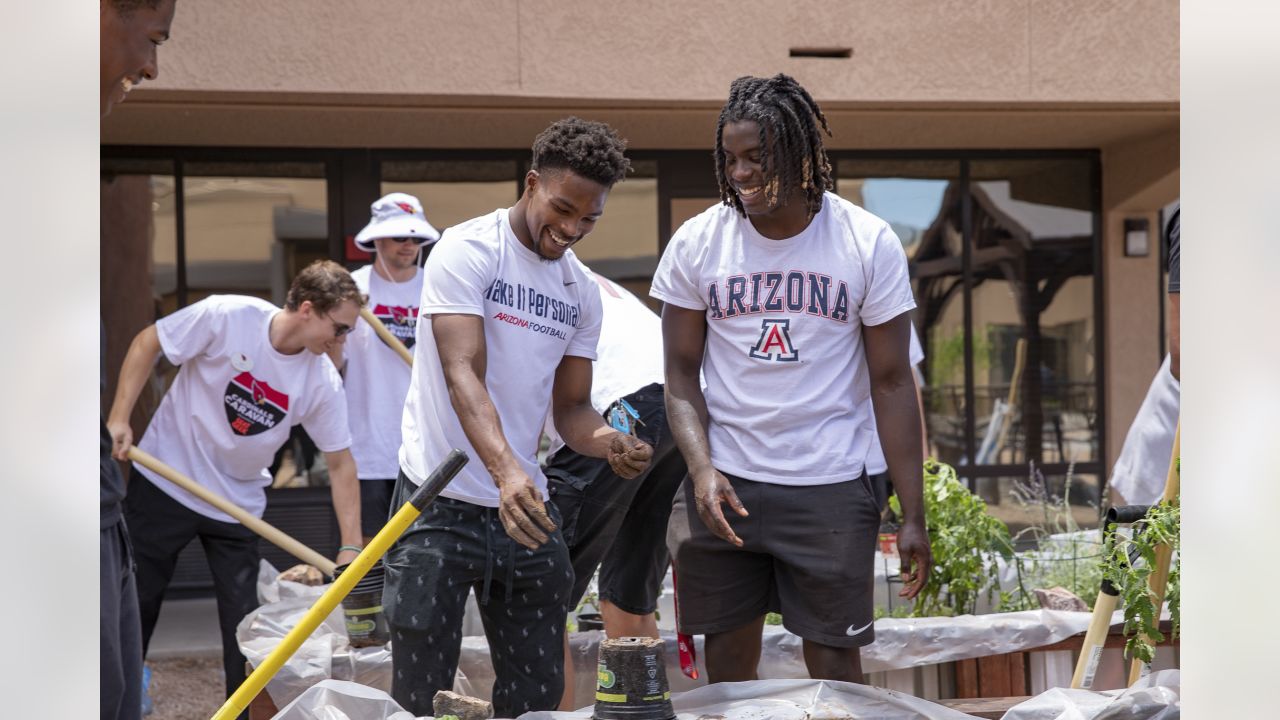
[(793, 302), (507, 330)]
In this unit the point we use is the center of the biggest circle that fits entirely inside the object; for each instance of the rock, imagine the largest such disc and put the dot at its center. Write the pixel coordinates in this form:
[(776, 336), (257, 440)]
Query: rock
[(461, 706), (1060, 598), (305, 574)]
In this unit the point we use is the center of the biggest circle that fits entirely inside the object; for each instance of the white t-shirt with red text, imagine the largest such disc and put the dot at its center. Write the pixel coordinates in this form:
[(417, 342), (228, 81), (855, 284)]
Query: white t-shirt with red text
[(235, 397), (535, 313), (377, 379), (786, 380)]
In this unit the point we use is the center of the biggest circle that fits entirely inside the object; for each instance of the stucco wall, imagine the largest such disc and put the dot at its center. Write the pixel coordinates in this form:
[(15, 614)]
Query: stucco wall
[(909, 50), (1139, 178)]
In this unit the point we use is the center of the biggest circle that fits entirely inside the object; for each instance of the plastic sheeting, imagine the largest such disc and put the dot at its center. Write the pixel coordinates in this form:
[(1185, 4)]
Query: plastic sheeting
[(1155, 697), (341, 700), (758, 700), (900, 643), (790, 700)]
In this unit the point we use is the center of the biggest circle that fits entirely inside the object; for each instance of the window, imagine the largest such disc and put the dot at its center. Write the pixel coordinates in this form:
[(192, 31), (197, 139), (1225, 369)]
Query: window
[(1003, 251), (251, 226), (914, 196)]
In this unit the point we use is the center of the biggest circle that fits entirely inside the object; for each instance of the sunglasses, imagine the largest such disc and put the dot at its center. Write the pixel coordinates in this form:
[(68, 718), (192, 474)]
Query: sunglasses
[(339, 329)]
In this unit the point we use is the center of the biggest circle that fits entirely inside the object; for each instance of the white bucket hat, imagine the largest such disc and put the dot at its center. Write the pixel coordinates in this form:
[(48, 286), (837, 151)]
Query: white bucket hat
[(394, 216)]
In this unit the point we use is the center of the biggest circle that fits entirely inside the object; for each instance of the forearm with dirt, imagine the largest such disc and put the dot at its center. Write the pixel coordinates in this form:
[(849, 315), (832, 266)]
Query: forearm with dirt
[(684, 335), (584, 430), (138, 363)]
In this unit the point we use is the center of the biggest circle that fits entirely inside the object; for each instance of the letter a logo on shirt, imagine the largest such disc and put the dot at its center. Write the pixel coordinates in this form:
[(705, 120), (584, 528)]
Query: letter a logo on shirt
[(775, 342)]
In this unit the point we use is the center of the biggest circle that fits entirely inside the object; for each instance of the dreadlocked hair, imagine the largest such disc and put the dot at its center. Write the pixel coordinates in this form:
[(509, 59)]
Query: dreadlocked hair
[(791, 153), (590, 149)]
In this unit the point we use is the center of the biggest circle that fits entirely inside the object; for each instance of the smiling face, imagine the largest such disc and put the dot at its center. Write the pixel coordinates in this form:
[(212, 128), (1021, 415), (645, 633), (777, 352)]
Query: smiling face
[(742, 167), (326, 331), (129, 44), (560, 208), (398, 253)]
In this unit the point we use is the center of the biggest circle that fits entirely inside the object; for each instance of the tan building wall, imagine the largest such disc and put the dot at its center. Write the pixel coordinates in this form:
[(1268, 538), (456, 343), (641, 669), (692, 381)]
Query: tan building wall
[(922, 73)]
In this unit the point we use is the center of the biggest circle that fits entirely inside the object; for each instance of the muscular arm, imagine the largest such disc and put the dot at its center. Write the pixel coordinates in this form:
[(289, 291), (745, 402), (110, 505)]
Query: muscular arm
[(464, 361), (896, 404), (138, 362), (345, 490), (684, 335), (582, 427), (463, 358)]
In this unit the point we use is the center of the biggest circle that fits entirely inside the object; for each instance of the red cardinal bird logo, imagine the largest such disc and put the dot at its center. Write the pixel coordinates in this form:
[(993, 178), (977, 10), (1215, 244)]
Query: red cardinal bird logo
[(405, 207), (401, 315)]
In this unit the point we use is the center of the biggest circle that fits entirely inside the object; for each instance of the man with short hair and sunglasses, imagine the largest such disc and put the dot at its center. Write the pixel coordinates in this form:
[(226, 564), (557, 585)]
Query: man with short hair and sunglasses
[(248, 372), (376, 378)]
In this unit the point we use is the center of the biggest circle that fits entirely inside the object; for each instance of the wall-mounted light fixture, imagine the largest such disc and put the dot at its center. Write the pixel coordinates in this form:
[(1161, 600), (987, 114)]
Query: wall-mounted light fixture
[(1137, 239)]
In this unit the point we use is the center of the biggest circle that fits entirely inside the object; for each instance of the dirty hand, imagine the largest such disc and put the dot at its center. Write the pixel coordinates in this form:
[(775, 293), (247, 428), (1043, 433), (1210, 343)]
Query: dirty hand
[(629, 456), (913, 549), (121, 439), (709, 490), (522, 512)]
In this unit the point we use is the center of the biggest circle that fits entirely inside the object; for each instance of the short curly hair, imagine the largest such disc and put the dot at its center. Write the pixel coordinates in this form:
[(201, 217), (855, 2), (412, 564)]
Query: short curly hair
[(326, 284), (590, 149)]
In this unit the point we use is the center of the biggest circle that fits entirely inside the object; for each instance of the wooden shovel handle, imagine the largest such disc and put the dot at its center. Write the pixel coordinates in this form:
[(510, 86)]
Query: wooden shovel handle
[(266, 530)]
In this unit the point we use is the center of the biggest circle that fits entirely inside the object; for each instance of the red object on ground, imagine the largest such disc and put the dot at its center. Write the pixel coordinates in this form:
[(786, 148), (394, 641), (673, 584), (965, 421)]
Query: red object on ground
[(684, 642)]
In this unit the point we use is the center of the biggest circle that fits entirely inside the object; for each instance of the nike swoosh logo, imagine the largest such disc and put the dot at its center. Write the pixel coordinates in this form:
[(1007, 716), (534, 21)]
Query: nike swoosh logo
[(851, 632)]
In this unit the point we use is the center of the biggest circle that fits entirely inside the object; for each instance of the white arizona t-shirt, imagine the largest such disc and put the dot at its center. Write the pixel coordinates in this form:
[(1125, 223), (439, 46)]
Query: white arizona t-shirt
[(786, 377), (629, 355), (875, 459), (235, 397), (377, 379), (535, 312)]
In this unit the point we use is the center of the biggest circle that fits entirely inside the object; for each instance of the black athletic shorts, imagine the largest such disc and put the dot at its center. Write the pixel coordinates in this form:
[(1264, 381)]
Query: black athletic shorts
[(620, 525), (807, 553)]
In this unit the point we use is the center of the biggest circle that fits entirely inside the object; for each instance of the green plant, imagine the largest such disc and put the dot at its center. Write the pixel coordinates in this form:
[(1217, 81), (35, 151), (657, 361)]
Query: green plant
[(1132, 579), (965, 543), (1063, 558)]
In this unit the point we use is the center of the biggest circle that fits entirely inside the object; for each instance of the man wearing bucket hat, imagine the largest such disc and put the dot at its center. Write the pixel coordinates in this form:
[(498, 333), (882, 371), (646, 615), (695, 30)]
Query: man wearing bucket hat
[(375, 378), (508, 330)]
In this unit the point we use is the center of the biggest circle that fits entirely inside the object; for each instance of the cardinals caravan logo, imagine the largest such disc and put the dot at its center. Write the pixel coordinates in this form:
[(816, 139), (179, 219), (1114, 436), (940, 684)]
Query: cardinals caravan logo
[(401, 321), (253, 406), (775, 342)]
